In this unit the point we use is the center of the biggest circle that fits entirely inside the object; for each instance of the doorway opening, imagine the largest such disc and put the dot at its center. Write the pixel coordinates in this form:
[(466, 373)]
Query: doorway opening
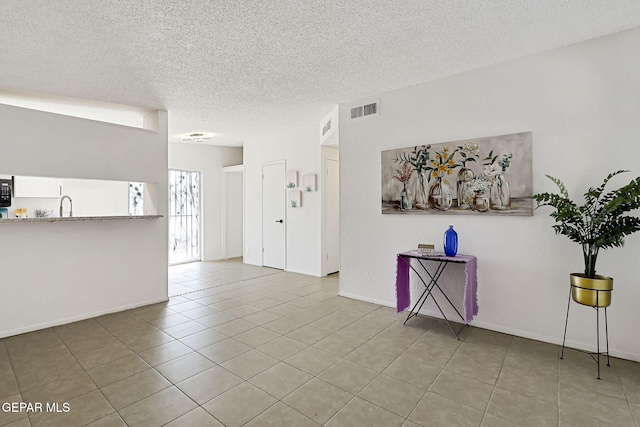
[(331, 211), (184, 216), (233, 211)]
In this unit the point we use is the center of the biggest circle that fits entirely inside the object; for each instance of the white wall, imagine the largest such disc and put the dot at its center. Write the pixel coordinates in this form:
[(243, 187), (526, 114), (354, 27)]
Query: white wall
[(582, 104), (54, 273), (209, 161), (300, 149)]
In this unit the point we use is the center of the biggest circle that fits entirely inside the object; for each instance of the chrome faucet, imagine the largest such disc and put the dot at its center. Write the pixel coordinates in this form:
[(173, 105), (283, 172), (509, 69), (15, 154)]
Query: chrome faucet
[(70, 205)]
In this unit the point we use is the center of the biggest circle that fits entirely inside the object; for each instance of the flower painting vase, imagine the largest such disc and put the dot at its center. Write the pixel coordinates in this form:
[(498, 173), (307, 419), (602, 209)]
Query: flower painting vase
[(450, 242), (480, 202), (464, 175), (440, 195), (405, 199), (420, 192), (403, 175), (500, 197)]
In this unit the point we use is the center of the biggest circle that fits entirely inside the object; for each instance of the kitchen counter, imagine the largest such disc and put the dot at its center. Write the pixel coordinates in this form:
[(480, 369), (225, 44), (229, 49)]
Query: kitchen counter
[(78, 218)]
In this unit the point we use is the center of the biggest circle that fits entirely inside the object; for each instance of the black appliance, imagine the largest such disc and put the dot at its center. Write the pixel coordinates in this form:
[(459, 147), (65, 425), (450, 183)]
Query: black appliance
[(5, 193)]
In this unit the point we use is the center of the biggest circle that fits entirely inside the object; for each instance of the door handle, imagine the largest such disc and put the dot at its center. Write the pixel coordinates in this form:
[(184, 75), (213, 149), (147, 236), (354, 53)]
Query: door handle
[(280, 221)]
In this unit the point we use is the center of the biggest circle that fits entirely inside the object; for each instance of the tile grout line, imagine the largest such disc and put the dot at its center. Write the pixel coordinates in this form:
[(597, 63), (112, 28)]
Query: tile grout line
[(377, 376), (224, 284), (150, 368), (245, 381), (633, 416), (316, 376), (15, 377), (495, 386), (87, 373), (130, 376), (436, 379), (382, 372)]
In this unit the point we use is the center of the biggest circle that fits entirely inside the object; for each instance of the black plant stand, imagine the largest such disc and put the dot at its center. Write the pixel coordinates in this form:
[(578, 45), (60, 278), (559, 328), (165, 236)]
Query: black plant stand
[(594, 356)]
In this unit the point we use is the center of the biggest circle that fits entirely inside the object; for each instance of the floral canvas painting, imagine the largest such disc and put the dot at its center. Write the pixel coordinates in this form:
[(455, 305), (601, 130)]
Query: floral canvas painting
[(480, 176)]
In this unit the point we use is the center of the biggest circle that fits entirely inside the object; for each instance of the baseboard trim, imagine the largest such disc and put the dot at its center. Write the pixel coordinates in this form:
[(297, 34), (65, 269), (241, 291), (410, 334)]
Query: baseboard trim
[(365, 299), (306, 273), (45, 325), (512, 331)]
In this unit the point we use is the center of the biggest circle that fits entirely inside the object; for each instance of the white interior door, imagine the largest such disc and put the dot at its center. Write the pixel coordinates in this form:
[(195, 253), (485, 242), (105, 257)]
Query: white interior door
[(332, 215), (273, 210)]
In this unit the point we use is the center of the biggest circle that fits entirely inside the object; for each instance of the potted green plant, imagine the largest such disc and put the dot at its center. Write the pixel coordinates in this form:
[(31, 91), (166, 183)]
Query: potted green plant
[(600, 223)]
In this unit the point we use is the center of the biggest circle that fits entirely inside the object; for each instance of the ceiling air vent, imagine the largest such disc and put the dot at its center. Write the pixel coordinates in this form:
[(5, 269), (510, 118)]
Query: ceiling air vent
[(364, 110)]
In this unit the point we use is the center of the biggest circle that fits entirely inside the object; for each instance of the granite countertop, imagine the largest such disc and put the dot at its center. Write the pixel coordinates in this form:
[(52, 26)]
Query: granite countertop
[(78, 218)]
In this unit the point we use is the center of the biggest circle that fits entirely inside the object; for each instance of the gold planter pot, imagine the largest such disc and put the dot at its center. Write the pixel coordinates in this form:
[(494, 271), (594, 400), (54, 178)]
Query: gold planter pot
[(594, 292)]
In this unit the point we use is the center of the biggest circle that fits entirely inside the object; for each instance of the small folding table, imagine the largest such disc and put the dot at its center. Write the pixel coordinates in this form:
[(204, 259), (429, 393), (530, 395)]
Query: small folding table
[(438, 262)]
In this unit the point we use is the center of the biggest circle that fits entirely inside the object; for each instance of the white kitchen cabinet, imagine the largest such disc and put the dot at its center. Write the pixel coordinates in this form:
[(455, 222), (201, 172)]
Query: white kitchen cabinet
[(31, 186)]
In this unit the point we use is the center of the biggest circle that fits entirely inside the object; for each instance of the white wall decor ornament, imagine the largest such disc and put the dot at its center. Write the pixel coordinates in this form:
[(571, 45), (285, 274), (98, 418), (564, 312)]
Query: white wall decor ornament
[(295, 200), (292, 179), (309, 182)]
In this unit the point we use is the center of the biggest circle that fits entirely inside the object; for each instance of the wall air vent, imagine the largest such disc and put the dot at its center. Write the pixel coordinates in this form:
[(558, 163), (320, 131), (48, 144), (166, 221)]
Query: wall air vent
[(364, 110), (370, 109), (326, 128)]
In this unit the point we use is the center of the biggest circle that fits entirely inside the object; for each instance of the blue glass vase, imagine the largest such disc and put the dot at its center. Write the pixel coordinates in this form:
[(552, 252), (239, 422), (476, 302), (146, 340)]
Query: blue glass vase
[(450, 242)]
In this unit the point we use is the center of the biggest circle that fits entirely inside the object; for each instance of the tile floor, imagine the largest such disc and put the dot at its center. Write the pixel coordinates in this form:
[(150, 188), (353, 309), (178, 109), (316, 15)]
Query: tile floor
[(245, 345)]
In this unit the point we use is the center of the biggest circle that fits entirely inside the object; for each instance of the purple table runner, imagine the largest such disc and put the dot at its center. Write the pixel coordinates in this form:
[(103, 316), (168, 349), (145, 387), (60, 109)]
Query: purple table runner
[(403, 296)]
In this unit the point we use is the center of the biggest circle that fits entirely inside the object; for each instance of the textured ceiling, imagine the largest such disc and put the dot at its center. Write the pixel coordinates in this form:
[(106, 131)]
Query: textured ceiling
[(245, 69)]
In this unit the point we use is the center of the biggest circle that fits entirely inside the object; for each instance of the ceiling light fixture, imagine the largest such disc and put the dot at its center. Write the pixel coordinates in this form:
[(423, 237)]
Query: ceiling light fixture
[(197, 137)]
